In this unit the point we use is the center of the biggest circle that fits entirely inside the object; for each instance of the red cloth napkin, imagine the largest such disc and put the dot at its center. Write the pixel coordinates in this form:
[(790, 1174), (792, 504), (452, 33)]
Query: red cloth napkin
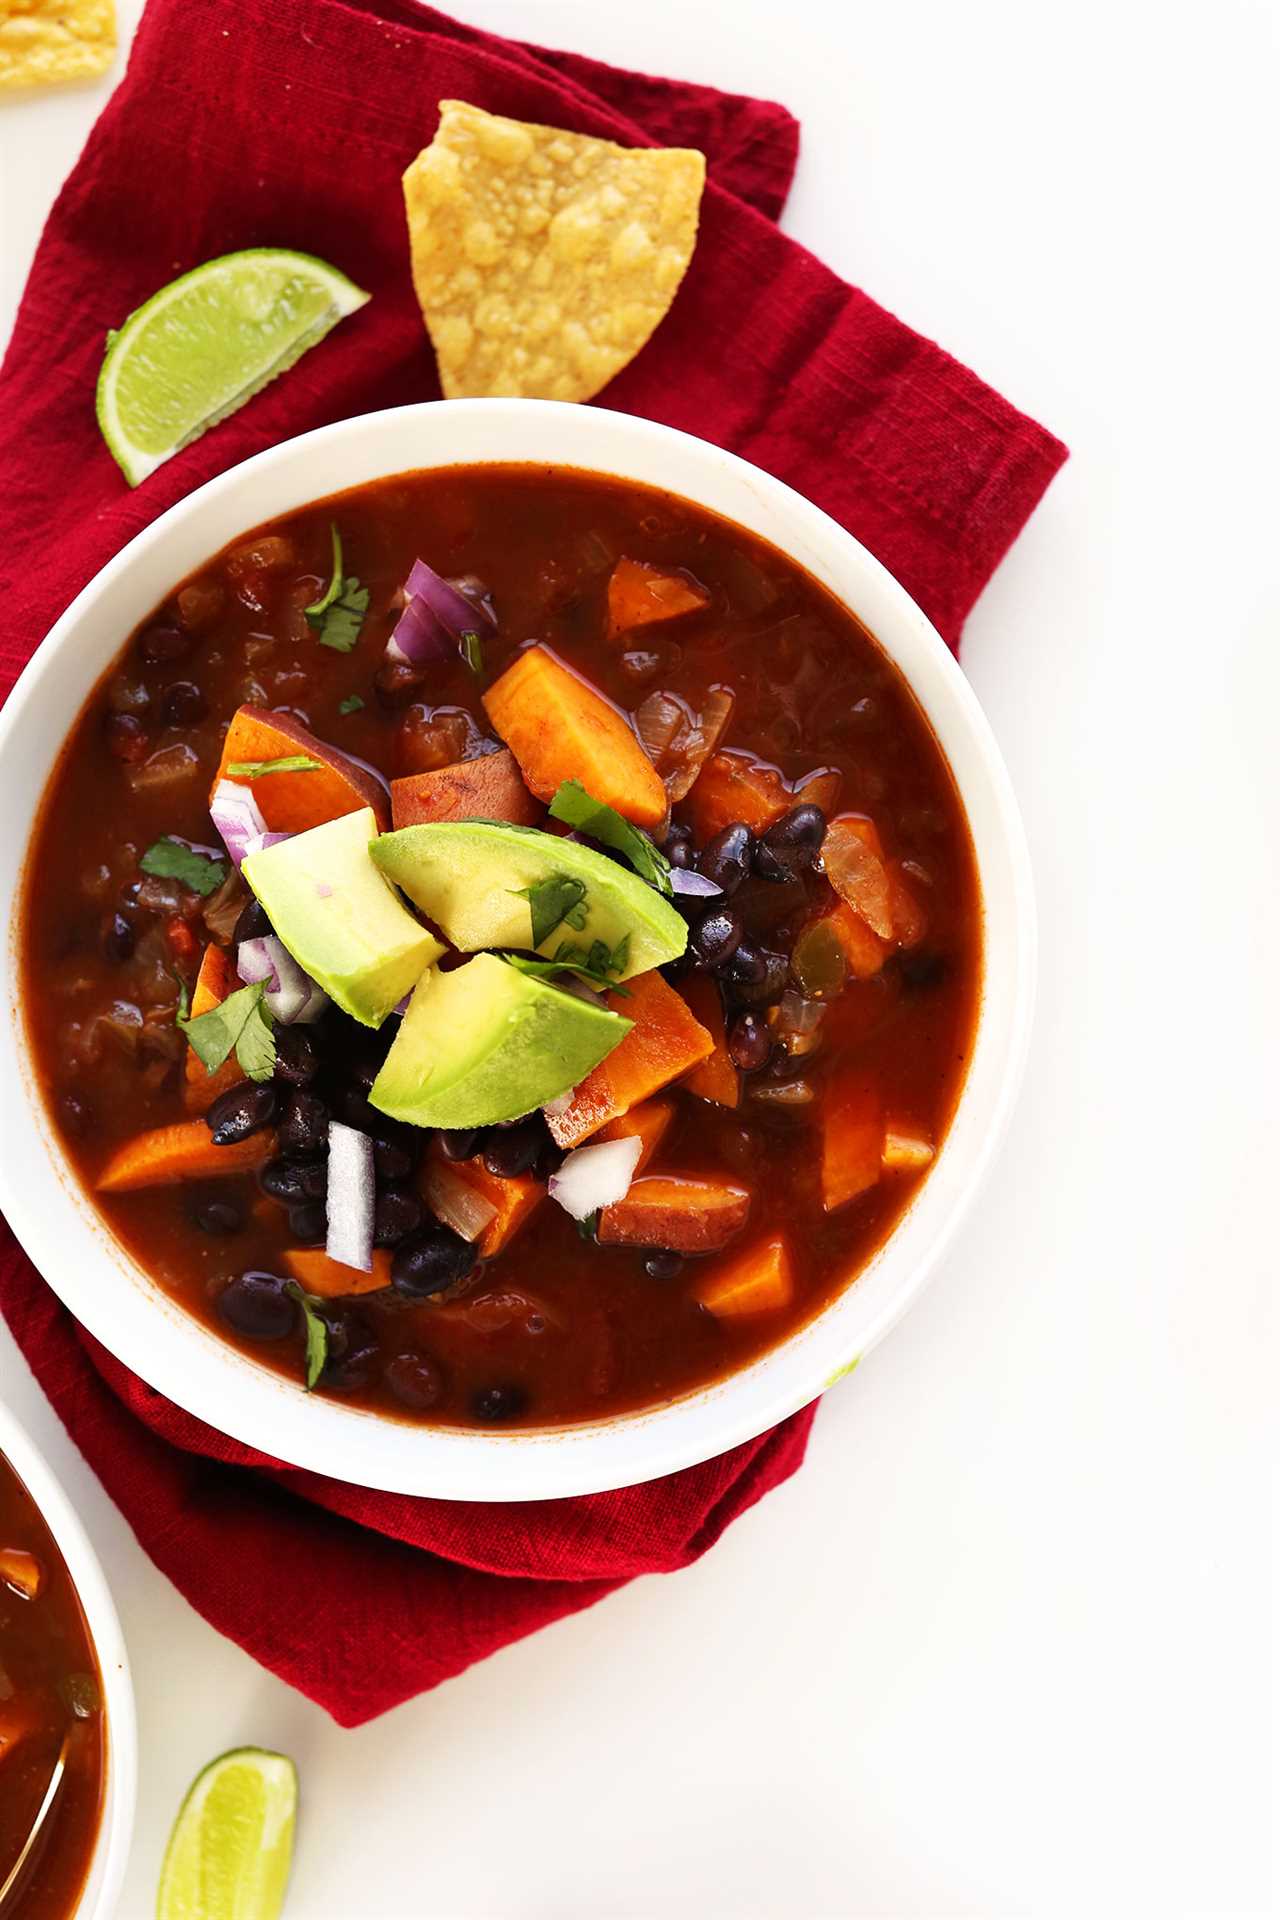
[(251, 122)]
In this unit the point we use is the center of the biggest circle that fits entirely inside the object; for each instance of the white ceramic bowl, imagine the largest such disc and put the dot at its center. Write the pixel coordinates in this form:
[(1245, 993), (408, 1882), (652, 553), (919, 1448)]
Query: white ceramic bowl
[(139, 1324), (115, 1828)]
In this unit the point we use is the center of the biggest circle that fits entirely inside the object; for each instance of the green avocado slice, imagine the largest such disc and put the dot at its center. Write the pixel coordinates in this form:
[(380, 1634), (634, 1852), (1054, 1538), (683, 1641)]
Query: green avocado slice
[(484, 1043), (472, 878)]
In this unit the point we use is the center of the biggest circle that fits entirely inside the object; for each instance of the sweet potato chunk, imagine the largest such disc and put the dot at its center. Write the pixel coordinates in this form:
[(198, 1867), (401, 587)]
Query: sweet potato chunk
[(664, 1042), (184, 1151), (639, 594), (216, 979), (512, 1199), (648, 1123), (735, 786), (330, 1279), (716, 1077), (757, 1280), (561, 729), (292, 802), (906, 1148), (489, 788), (686, 1214), (852, 1142)]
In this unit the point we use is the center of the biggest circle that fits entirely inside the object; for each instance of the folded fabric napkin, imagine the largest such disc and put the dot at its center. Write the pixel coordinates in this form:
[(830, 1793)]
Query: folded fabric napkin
[(288, 122)]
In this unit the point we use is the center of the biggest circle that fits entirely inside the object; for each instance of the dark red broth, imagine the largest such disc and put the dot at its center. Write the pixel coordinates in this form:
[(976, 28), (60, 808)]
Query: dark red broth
[(555, 1328), (49, 1688)]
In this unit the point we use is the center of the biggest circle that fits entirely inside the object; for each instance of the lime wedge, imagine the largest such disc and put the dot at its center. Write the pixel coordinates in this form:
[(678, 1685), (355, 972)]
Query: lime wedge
[(229, 1853), (208, 342)]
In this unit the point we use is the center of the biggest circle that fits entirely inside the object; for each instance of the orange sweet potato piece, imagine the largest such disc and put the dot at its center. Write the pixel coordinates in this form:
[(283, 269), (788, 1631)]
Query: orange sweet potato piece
[(183, 1151), (672, 1210), (489, 788), (664, 1042), (757, 1280), (513, 1198), (21, 1571), (716, 1077), (907, 1148), (561, 729), (640, 594), (330, 1279), (735, 786), (852, 1142), (648, 1123), (292, 802), (216, 979)]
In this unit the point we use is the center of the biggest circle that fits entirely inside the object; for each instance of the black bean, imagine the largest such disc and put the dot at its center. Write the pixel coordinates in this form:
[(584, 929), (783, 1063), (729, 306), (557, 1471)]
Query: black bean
[(431, 1261), (295, 1180), (415, 1380), (678, 846), (397, 1213), (509, 1151), (766, 980), (715, 936), (727, 858), (243, 1109), (127, 738), (749, 1042), (396, 682), (257, 1304), (119, 939), (217, 1217), (252, 924), (308, 1223), (297, 1054), (663, 1264), (183, 704), (75, 1114), (163, 643), (392, 1162), (459, 1143), (353, 1351), (505, 1402), (304, 1122), (923, 968), (791, 844), (744, 969), (129, 696)]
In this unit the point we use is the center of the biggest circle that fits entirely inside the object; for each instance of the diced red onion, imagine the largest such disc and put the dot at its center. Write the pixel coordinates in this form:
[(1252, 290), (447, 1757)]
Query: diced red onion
[(455, 1201), (349, 1197), (260, 841), (255, 961), (695, 885), (237, 816), (420, 638), (291, 995), (594, 1177), (456, 614)]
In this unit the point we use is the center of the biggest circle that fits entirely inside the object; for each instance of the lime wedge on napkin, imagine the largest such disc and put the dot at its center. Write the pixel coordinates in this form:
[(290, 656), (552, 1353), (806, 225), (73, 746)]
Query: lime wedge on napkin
[(208, 342), (229, 1853)]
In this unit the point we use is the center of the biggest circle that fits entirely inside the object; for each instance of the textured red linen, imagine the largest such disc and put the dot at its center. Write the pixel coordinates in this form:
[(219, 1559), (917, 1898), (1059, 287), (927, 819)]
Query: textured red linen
[(249, 122)]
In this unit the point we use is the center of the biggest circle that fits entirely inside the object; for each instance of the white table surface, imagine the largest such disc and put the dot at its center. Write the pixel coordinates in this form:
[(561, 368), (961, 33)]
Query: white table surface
[(1006, 1646)]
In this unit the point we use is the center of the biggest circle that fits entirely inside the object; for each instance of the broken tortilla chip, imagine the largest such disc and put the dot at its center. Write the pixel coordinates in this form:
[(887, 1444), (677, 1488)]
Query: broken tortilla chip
[(43, 42), (543, 260)]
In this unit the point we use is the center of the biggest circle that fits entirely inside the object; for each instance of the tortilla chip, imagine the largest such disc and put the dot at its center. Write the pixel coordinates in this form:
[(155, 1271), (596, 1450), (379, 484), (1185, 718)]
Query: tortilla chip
[(45, 41), (543, 260)]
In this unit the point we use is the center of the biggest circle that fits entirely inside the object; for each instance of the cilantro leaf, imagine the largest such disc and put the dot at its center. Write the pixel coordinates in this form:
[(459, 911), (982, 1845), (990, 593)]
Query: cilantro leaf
[(588, 1228), (288, 763), (239, 1019), (340, 623), (317, 1333), (171, 859), (352, 704), (594, 964), (334, 588), (577, 808), (552, 900), (472, 650)]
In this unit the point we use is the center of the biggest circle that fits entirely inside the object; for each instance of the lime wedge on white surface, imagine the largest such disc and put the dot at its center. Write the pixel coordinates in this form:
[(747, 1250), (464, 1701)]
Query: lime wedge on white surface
[(208, 342), (229, 1853)]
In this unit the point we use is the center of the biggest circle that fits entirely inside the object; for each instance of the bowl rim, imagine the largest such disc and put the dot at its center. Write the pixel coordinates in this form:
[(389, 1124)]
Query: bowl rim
[(110, 1854), (148, 1331)]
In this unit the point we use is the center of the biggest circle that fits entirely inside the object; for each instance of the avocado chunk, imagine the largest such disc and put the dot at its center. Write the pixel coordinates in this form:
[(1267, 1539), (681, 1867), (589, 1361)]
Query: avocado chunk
[(339, 918), (484, 1043), (472, 878)]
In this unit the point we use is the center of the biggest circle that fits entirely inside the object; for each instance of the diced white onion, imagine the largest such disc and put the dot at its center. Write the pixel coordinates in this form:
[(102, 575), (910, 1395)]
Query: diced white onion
[(455, 1202), (349, 1197), (594, 1177)]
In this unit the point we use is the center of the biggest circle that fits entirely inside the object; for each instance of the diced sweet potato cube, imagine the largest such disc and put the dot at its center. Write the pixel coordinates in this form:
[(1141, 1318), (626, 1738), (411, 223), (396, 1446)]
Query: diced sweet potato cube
[(640, 594), (511, 1199), (852, 1142), (561, 729), (330, 1279), (648, 1123), (757, 1280), (488, 788), (184, 1151), (687, 1214), (665, 1041), (292, 802), (716, 1077), (216, 979), (906, 1148), (735, 786)]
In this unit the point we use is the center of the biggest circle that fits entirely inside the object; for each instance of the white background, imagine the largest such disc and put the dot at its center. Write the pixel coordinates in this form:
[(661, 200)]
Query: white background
[(1006, 1645)]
